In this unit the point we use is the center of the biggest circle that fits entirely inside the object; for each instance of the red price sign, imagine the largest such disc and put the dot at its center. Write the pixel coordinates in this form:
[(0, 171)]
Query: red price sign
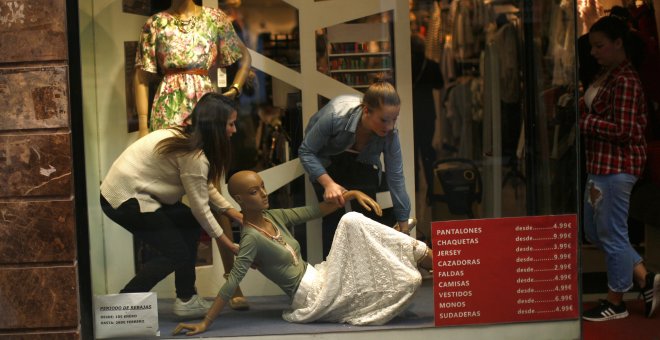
[(505, 270)]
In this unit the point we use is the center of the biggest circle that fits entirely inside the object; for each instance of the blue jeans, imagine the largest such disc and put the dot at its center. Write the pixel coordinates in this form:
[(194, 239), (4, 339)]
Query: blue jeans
[(606, 202)]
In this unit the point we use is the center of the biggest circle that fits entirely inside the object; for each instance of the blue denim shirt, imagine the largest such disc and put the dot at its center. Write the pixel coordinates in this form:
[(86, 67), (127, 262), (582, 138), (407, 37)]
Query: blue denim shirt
[(331, 131)]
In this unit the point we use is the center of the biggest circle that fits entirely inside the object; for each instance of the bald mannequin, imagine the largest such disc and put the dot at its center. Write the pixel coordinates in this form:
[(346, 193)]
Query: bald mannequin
[(248, 190)]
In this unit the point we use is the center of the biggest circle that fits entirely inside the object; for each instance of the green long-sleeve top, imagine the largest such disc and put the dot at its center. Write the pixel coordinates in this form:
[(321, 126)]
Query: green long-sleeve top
[(272, 259)]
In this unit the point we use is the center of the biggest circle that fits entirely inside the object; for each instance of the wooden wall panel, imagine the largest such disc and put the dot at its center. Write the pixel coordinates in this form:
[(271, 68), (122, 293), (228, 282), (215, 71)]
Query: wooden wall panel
[(42, 231), (35, 165), (39, 297), (32, 30), (34, 98)]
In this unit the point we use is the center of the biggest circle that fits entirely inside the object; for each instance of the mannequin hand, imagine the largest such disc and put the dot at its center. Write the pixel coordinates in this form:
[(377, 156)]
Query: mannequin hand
[(365, 201), (190, 328), (334, 193), (231, 93)]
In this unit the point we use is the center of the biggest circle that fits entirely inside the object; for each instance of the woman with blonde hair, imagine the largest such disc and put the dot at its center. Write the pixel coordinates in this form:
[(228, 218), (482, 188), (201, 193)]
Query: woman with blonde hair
[(342, 149)]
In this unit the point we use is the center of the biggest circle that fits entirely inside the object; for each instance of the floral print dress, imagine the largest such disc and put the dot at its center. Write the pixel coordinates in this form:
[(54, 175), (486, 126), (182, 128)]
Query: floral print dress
[(167, 43)]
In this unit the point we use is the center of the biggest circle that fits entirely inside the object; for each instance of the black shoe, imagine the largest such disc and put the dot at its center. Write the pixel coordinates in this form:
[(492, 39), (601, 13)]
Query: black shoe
[(606, 311), (651, 293)]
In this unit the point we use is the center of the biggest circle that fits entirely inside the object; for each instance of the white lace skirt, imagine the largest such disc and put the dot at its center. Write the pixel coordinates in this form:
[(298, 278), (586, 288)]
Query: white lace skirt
[(368, 278)]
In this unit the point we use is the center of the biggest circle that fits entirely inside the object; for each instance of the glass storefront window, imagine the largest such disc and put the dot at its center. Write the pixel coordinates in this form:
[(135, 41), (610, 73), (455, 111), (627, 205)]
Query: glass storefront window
[(507, 111), (490, 134)]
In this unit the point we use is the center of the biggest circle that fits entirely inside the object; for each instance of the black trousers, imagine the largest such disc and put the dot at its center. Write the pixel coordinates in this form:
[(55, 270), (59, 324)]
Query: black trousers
[(346, 171), (173, 232)]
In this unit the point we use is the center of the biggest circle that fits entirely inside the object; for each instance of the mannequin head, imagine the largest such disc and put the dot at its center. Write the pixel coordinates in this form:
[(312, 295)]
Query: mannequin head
[(381, 104), (248, 190)]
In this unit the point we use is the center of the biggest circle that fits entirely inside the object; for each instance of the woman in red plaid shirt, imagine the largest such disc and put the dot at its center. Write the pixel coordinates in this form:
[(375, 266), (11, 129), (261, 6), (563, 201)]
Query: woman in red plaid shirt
[(613, 123)]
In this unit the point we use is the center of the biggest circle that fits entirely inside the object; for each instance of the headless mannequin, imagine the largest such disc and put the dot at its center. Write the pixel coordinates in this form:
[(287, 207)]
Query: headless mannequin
[(184, 10), (242, 186)]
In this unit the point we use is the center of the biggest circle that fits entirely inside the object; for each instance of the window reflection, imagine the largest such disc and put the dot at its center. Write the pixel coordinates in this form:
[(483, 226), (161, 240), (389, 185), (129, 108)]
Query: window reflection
[(504, 137)]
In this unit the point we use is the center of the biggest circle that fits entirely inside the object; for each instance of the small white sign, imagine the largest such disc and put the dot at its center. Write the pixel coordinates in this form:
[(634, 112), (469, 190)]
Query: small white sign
[(222, 77), (127, 314)]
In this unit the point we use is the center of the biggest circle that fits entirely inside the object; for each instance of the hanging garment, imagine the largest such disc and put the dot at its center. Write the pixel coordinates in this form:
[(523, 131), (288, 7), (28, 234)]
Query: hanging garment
[(506, 44), (563, 46), (434, 38)]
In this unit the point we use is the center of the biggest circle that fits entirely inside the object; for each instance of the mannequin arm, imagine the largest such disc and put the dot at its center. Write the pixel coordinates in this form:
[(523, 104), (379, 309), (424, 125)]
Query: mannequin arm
[(327, 207), (141, 95), (242, 73)]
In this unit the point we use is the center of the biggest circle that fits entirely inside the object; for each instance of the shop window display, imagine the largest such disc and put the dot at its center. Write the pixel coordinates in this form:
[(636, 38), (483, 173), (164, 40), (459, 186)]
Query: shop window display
[(481, 114)]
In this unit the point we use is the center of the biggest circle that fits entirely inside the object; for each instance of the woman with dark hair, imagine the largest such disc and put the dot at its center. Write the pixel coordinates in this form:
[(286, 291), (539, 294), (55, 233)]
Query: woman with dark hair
[(612, 123), (342, 148), (144, 186)]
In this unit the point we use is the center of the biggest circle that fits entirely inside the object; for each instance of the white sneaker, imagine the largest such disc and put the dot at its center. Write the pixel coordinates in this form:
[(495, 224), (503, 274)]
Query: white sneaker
[(195, 307)]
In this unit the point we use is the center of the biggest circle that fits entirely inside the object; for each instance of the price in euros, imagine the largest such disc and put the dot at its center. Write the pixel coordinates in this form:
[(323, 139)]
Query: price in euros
[(563, 225), (559, 288), (561, 236), (566, 308)]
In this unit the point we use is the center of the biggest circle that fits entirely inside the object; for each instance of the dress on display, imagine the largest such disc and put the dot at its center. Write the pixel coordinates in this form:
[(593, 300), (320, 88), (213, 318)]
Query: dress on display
[(184, 51)]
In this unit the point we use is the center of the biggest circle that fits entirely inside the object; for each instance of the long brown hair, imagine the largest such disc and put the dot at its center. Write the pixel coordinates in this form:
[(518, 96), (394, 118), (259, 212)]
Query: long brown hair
[(206, 132)]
